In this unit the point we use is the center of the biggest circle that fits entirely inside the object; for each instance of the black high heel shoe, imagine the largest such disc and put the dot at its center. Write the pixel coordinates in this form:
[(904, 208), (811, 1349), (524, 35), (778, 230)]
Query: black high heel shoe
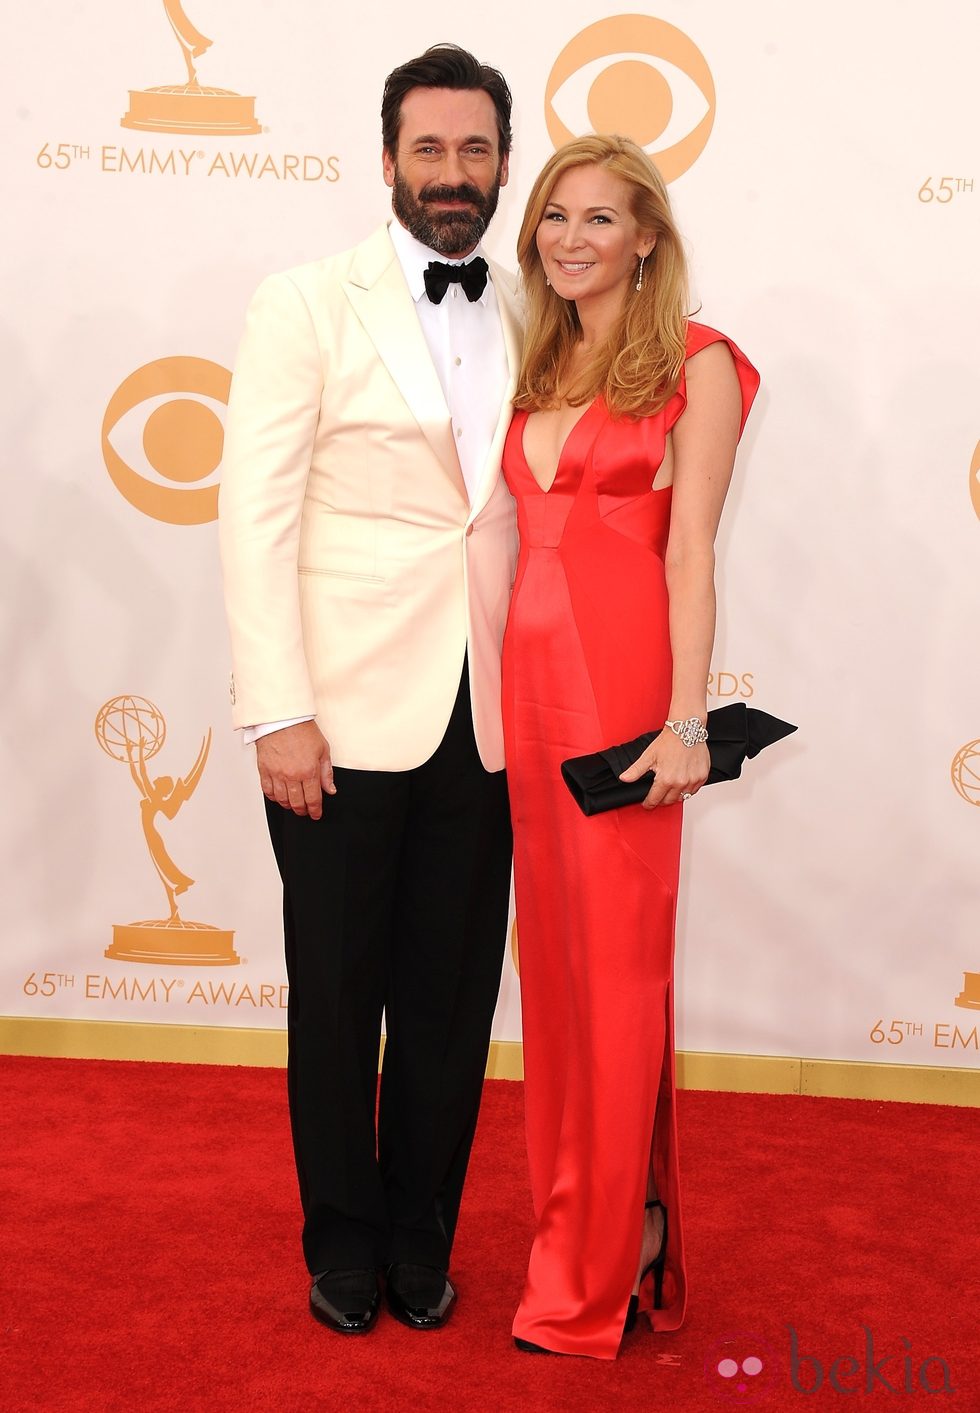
[(656, 1266), (526, 1347)]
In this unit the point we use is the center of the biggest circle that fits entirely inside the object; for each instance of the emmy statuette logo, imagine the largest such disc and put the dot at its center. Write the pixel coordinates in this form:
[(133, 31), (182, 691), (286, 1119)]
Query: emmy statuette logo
[(190, 107), (965, 775), (975, 480), (132, 731), (964, 771), (182, 439), (639, 76), (194, 107)]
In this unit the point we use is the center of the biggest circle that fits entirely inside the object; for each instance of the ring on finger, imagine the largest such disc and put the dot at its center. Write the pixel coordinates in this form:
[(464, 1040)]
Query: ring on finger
[(687, 795)]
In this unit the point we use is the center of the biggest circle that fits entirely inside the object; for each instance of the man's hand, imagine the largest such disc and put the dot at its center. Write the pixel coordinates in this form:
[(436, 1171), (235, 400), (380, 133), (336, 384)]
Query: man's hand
[(295, 769)]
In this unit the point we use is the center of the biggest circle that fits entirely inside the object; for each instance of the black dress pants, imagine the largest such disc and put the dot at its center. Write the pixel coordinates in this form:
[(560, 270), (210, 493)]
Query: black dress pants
[(395, 900)]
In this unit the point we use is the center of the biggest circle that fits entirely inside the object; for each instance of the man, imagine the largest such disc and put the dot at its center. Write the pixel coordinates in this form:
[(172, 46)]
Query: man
[(368, 545)]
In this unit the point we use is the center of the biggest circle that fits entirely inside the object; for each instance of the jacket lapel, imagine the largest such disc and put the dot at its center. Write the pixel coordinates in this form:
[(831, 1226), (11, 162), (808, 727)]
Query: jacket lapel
[(510, 320), (381, 298)]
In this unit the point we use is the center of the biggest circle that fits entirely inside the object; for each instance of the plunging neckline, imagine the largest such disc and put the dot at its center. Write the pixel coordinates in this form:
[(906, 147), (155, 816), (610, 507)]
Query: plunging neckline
[(546, 490)]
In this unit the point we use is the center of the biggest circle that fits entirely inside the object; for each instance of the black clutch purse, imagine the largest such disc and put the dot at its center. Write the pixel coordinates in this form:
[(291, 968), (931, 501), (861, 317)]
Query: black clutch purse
[(735, 733)]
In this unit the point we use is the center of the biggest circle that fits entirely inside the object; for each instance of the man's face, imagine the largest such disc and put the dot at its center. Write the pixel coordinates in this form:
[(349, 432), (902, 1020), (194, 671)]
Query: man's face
[(448, 171)]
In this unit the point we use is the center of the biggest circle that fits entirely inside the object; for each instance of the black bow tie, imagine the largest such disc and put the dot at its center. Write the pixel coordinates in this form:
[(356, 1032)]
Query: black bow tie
[(439, 276)]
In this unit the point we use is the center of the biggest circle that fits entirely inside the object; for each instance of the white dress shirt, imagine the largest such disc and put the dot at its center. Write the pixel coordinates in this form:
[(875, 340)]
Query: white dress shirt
[(467, 347), (466, 342)]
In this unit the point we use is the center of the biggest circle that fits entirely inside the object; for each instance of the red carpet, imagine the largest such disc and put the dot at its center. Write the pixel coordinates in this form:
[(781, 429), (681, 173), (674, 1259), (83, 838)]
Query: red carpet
[(151, 1258)]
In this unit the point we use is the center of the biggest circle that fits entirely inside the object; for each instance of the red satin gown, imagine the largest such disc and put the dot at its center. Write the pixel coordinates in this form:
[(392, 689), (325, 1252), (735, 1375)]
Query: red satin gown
[(587, 664)]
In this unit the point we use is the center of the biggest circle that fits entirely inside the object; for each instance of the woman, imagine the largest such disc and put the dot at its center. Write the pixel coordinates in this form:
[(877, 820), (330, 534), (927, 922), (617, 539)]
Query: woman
[(619, 456)]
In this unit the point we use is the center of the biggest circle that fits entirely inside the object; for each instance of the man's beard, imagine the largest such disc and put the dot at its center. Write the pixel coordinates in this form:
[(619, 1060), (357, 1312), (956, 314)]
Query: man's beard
[(447, 232)]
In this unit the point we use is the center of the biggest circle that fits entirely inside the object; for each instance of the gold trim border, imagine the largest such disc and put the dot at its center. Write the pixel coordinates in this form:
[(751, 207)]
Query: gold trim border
[(732, 1074)]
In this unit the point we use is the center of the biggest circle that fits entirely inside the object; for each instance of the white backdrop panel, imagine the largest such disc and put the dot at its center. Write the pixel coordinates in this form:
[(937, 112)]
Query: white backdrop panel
[(836, 885)]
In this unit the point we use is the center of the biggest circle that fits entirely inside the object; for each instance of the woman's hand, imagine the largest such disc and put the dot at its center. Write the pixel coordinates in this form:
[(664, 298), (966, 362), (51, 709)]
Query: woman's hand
[(679, 769)]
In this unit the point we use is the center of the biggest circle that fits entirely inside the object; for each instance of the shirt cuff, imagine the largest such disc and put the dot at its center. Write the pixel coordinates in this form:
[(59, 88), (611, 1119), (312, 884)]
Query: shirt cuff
[(250, 734)]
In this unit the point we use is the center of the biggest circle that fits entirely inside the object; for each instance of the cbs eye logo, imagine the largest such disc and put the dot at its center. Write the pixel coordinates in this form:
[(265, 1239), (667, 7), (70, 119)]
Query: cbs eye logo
[(637, 76), (181, 440)]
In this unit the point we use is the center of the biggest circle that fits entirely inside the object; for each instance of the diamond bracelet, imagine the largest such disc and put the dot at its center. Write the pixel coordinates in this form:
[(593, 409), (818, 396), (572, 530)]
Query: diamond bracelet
[(692, 731)]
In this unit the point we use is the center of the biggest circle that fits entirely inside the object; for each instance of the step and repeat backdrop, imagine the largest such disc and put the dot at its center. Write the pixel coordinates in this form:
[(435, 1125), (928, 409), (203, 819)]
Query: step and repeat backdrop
[(824, 163)]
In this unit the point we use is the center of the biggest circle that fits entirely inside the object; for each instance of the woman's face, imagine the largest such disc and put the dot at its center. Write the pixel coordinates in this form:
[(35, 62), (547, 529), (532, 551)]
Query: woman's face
[(588, 239)]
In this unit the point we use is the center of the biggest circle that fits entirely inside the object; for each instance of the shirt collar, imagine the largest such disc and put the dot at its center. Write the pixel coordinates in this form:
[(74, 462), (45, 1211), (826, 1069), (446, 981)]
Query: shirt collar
[(414, 257)]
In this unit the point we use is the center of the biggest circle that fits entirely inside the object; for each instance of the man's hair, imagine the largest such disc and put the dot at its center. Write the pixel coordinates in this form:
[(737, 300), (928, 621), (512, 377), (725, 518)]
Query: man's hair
[(443, 66)]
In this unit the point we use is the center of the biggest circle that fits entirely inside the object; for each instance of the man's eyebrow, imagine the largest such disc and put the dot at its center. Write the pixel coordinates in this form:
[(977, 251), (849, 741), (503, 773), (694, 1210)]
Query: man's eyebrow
[(434, 137)]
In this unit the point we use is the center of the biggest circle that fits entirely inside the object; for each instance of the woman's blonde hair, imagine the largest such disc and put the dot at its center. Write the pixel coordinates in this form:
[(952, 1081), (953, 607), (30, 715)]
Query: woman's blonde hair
[(638, 368)]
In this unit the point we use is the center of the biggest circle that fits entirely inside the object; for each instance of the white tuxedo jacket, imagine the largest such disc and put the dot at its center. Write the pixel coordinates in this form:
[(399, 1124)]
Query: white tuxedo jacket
[(357, 573)]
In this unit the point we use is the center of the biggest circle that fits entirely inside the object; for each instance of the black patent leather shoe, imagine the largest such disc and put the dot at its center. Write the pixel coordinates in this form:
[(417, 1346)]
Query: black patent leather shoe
[(420, 1296), (346, 1301)]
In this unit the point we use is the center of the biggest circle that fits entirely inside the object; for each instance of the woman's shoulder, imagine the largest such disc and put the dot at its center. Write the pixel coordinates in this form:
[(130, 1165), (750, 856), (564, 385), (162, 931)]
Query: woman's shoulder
[(699, 336), (702, 336)]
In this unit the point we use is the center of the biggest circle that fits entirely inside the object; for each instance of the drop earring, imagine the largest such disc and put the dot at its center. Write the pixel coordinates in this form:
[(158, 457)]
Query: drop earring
[(639, 277)]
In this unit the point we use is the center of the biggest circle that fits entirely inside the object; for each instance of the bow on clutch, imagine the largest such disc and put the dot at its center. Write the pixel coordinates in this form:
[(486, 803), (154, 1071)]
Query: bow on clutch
[(735, 733)]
